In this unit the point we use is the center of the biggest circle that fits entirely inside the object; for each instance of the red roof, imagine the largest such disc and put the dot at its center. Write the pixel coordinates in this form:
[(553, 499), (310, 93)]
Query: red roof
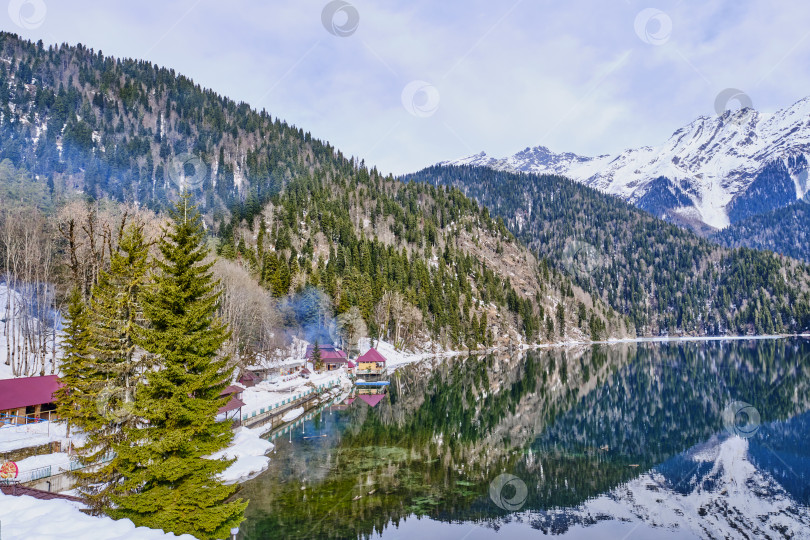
[(27, 391), (372, 399), (372, 355), (352, 364), (232, 405), (328, 352), (231, 389)]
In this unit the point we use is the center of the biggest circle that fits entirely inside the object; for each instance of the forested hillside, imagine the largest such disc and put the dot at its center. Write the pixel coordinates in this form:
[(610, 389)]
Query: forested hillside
[(665, 279), (127, 129), (786, 231), (414, 261)]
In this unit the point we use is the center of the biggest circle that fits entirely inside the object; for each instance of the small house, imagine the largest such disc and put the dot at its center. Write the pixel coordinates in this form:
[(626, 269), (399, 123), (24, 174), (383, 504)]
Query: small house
[(249, 379), (371, 363), (28, 399), (332, 357)]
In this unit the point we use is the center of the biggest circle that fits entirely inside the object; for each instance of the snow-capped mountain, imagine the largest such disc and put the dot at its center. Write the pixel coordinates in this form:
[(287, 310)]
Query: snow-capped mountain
[(715, 171)]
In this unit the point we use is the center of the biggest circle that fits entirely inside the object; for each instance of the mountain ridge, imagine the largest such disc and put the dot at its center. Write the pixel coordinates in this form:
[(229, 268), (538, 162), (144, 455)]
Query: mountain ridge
[(722, 165)]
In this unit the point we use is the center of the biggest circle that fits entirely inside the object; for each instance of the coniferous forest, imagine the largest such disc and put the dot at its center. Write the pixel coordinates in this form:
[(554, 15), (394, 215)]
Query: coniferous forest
[(665, 279)]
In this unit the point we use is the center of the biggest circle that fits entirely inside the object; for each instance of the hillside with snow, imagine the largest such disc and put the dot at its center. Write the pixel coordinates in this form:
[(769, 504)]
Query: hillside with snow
[(713, 172)]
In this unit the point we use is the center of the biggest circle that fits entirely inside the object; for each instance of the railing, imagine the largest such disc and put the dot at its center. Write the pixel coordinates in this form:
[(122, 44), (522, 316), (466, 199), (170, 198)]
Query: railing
[(45, 472), (279, 404), (15, 420)]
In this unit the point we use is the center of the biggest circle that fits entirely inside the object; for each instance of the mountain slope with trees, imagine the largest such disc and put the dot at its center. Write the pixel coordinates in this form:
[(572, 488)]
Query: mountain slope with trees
[(665, 279), (786, 231), (310, 242)]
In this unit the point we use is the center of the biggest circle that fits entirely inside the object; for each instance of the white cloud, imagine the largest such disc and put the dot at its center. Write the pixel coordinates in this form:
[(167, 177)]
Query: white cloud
[(572, 76)]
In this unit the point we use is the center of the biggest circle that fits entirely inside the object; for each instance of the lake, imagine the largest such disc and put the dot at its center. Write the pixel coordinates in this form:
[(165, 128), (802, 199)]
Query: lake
[(635, 440)]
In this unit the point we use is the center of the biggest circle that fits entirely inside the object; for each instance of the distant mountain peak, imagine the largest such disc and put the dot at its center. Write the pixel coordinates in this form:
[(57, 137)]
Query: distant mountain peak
[(719, 169)]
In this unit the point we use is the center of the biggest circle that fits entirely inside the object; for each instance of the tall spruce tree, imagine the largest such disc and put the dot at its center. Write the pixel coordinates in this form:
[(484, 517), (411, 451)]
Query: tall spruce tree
[(75, 398), (169, 483), (116, 323)]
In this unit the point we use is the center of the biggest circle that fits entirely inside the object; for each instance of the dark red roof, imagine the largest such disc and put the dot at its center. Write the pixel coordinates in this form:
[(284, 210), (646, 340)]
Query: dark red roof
[(372, 355), (231, 389), (328, 352), (232, 405), (18, 490), (27, 391)]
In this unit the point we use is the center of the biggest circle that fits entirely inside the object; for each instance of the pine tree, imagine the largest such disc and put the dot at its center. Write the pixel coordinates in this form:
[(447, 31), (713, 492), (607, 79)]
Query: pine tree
[(317, 358), (74, 399), (169, 483), (115, 324)]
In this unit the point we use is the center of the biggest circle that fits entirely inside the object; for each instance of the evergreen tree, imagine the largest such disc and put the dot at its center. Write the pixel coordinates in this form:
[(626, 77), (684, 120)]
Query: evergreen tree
[(74, 399), (317, 359), (116, 322), (169, 483)]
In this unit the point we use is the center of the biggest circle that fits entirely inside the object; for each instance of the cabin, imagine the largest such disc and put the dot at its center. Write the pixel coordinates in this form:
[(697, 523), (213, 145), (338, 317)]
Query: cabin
[(28, 399), (371, 363), (249, 379), (332, 357), (232, 410)]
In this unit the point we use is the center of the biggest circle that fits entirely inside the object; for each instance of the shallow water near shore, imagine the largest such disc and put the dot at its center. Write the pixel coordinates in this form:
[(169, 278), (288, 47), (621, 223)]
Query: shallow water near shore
[(630, 440)]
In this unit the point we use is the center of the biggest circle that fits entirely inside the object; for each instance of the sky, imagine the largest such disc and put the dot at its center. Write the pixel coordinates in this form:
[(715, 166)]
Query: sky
[(405, 84)]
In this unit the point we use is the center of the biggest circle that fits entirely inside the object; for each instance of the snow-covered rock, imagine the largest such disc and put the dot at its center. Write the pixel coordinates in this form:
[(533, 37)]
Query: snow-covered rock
[(716, 170), (249, 450)]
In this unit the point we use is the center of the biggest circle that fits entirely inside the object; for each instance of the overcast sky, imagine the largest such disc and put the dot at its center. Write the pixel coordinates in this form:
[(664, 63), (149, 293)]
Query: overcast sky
[(404, 84)]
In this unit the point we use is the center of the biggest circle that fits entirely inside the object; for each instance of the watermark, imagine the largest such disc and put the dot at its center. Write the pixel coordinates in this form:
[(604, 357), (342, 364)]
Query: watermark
[(28, 14), (729, 95), (653, 26), (188, 172), (508, 492), (741, 419), (110, 405), (420, 98), (581, 257), (340, 18)]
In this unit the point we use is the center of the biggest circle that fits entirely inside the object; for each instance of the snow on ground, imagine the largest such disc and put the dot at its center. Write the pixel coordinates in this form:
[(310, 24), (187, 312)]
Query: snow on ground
[(25, 518), (58, 462), (293, 414), (269, 394), (250, 451), (24, 436)]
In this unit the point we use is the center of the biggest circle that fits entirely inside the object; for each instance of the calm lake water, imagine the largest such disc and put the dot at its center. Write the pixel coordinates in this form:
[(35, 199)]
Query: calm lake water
[(652, 440)]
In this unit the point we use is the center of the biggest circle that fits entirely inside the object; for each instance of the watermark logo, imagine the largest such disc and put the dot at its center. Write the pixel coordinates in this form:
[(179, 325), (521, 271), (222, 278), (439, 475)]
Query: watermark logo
[(581, 257), (340, 18), (508, 492), (28, 14), (741, 419), (110, 406), (725, 98), (188, 172), (420, 98), (653, 26)]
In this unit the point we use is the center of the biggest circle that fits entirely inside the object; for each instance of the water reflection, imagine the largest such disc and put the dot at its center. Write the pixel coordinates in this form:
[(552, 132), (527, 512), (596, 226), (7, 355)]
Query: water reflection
[(600, 437)]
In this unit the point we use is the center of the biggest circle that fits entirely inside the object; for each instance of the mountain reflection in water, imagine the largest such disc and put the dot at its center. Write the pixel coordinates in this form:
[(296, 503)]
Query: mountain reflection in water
[(647, 440)]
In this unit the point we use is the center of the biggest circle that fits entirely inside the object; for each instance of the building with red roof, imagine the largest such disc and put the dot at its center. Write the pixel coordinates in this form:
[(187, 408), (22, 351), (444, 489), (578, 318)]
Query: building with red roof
[(371, 363), (233, 409), (28, 399), (332, 357)]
